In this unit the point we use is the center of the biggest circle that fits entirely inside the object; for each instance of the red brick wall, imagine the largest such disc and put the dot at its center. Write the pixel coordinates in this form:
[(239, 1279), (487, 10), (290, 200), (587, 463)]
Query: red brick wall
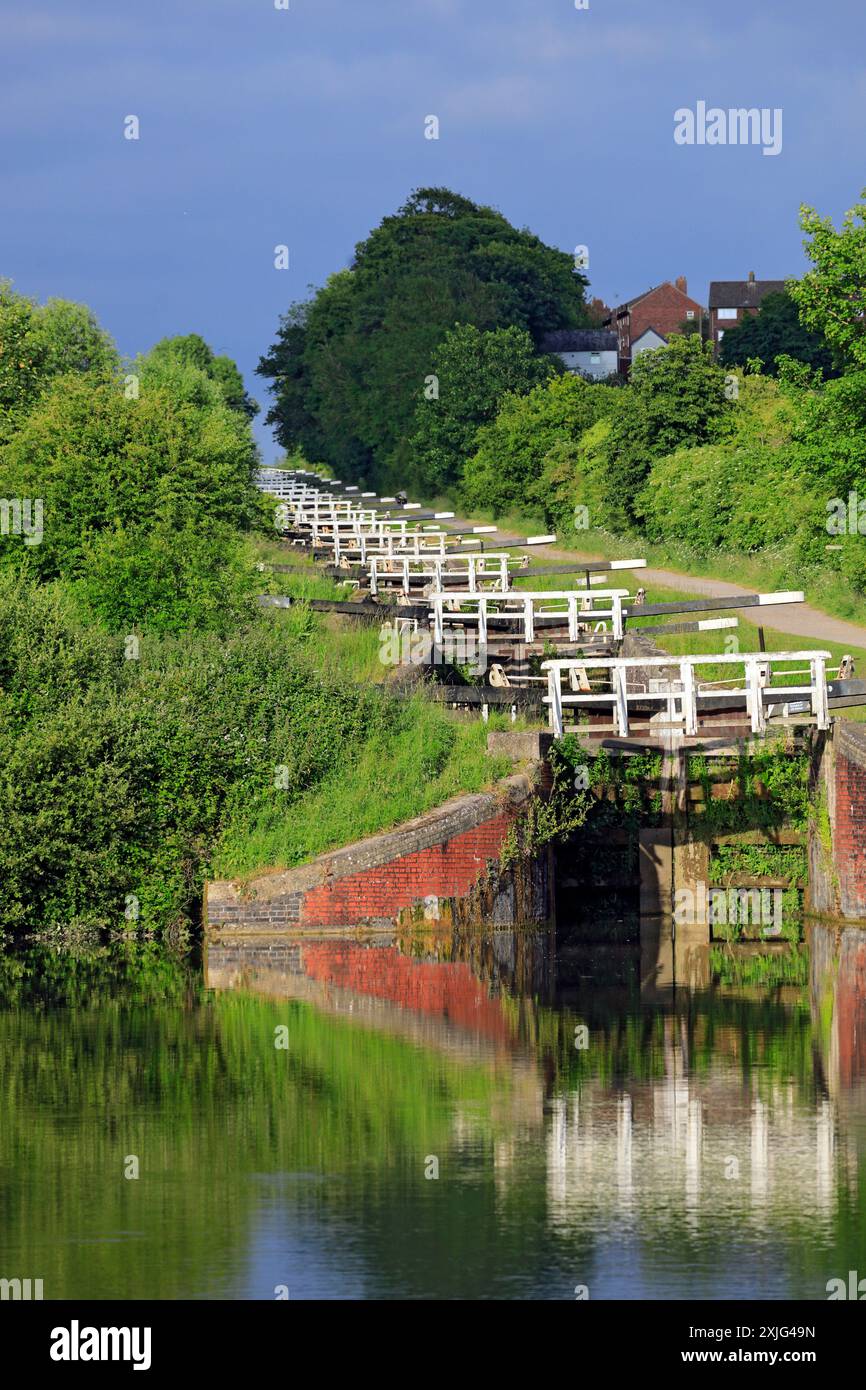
[(447, 870), (716, 323), (663, 309), (850, 834)]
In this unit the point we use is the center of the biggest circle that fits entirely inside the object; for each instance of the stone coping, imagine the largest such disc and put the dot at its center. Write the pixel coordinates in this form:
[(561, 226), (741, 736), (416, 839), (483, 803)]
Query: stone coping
[(435, 827)]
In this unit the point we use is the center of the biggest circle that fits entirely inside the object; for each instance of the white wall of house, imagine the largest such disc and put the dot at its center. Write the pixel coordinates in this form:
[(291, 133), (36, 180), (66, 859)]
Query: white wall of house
[(599, 364), (646, 342)]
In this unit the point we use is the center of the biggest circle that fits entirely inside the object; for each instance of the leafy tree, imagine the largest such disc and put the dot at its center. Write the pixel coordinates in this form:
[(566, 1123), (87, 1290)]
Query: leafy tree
[(715, 496), (830, 435), (508, 467), (773, 332), (191, 350), (137, 495), (167, 579), (676, 395), (41, 342), (347, 368), (287, 366), (473, 372), (831, 298)]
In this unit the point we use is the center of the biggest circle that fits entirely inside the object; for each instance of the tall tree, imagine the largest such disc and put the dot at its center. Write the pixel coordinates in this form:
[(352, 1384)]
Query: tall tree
[(39, 342), (347, 368), (472, 373), (676, 395), (831, 297), (191, 350)]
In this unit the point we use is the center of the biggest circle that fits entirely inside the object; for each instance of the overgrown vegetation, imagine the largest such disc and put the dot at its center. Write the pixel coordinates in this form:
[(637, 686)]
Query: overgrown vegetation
[(153, 719), (768, 788)]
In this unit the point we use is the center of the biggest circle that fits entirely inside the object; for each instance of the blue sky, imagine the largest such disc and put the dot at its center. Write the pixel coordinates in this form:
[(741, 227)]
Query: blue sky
[(304, 127)]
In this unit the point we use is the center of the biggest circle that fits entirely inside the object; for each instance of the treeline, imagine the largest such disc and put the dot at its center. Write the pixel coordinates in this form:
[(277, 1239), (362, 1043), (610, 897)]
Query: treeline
[(445, 304), (397, 374), (145, 700)]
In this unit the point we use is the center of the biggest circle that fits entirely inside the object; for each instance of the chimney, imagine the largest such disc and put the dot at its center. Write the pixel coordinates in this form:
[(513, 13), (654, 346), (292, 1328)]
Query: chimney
[(751, 277), (682, 284)]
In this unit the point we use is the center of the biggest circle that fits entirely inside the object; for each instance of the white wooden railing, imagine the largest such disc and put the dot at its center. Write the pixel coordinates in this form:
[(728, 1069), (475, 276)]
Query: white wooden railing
[(576, 607), (684, 704)]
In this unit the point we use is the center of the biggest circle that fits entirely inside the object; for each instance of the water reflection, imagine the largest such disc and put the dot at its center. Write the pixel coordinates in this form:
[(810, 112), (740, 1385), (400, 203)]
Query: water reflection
[(663, 1119)]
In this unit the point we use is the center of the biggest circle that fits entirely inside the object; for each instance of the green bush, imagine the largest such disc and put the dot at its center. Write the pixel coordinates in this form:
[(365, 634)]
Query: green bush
[(142, 499), (507, 469), (118, 775)]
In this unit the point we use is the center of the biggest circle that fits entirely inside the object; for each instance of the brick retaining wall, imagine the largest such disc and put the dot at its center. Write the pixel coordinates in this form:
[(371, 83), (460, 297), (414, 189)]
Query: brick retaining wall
[(837, 840), (444, 865)]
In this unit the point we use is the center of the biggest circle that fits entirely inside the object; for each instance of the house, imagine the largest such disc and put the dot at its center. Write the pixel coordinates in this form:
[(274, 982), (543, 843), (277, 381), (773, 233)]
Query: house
[(648, 320), (732, 300), (590, 351)]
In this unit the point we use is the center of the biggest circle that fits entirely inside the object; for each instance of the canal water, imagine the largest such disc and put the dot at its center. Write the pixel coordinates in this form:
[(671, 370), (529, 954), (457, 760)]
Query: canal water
[(496, 1117)]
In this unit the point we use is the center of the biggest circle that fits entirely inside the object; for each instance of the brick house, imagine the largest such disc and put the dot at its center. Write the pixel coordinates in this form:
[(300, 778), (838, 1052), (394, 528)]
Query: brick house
[(648, 320), (732, 300)]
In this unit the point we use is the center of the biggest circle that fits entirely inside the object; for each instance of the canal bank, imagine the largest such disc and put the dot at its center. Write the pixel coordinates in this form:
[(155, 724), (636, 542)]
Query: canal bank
[(740, 840)]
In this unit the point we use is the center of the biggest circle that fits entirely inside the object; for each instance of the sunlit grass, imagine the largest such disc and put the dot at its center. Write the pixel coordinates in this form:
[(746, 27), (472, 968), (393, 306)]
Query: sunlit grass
[(392, 777)]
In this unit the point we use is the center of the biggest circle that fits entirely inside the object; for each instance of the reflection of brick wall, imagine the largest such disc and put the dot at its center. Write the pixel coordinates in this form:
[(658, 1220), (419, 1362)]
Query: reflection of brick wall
[(446, 990), (850, 1010), (442, 865)]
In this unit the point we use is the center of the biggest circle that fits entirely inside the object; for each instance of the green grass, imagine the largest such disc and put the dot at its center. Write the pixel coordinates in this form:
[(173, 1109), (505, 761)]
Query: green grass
[(392, 778), (426, 756)]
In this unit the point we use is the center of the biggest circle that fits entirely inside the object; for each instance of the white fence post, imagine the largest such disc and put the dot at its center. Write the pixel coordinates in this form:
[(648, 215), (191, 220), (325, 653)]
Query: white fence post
[(617, 617), (620, 690), (555, 694), (820, 706), (755, 699), (528, 623), (690, 697)]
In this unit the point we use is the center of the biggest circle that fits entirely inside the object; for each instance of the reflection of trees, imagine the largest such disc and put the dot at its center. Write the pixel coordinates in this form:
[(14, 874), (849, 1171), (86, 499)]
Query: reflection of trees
[(542, 1144), (202, 1096)]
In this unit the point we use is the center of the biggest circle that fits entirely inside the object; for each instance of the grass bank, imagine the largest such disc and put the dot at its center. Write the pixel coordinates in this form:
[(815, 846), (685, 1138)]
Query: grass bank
[(419, 757)]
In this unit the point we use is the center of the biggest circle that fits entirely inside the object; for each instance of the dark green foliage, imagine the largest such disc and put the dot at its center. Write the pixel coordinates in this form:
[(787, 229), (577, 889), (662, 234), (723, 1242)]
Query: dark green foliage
[(775, 331), (347, 369), (117, 775), (474, 372)]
